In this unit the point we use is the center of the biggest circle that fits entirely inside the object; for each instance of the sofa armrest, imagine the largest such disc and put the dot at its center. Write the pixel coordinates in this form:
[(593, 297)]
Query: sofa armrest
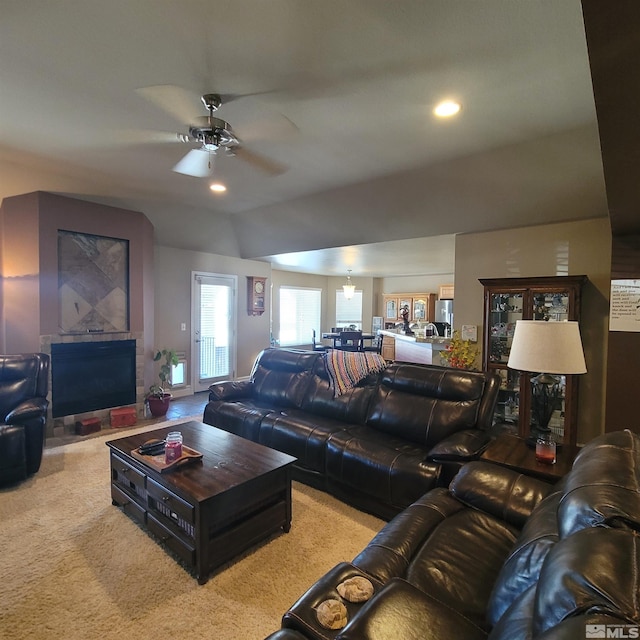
[(401, 610), (230, 390), (27, 410), (462, 445), (286, 634), (499, 491), (302, 615)]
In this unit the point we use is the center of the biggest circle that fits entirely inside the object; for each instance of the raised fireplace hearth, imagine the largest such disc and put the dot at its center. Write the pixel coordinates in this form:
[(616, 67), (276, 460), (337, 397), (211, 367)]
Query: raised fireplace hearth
[(92, 374)]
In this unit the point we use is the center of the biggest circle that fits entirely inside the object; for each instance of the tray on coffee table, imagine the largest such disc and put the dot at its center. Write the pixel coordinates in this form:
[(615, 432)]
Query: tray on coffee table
[(159, 464)]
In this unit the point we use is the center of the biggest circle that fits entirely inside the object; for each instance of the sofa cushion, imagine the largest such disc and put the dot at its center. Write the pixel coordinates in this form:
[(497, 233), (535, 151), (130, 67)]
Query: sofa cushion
[(351, 406), (596, 569), (394, 470), (20, 379), (499, 491), (602, 486), (280, 376), (426, 404), (515, 624), (299, 434), (521, 569), (389, 554), (241, 418), (461, 559)]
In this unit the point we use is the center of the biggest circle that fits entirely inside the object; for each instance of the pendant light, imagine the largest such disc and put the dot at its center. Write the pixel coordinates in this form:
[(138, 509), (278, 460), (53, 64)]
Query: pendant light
[(349, 288)]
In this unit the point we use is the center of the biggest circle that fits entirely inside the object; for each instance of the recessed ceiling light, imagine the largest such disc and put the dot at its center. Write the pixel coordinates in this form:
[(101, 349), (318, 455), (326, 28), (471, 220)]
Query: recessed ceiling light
[(447, 108), (217, 187)]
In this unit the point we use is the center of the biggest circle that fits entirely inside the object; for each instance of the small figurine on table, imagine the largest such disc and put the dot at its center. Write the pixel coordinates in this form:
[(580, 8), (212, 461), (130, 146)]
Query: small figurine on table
[(404, 312)]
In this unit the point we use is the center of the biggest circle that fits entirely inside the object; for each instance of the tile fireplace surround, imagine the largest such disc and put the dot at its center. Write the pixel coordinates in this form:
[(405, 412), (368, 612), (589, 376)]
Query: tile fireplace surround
[(66, 424)]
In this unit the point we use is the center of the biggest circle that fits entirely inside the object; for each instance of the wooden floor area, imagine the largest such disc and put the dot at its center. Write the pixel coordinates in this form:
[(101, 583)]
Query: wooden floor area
[(181, 407)]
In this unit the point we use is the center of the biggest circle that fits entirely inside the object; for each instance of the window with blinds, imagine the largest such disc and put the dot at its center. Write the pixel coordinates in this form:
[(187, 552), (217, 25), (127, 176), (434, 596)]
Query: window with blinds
[(299, 315), (349, 312)]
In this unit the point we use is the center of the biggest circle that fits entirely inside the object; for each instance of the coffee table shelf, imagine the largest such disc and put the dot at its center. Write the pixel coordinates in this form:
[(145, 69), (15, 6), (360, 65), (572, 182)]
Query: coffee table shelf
[(205, 513)]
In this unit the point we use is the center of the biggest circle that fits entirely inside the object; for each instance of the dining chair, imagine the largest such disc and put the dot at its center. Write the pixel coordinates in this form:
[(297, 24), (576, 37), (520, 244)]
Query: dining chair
[(351, 341), (375, 346), (317, 346)]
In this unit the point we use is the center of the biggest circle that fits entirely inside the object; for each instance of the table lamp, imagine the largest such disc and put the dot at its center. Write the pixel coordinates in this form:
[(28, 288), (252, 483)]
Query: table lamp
[(550, 349)]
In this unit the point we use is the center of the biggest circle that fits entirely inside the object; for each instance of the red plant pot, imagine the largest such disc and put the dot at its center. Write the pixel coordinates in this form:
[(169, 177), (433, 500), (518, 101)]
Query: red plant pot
[(159, 406)]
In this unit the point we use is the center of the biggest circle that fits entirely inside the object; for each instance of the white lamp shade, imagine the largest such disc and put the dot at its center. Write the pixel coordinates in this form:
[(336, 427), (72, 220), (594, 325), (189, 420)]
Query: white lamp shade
[(547, 347)]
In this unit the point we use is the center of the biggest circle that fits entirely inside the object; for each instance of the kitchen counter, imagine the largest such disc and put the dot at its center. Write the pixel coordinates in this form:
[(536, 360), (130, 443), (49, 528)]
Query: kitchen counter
[(413, 349)]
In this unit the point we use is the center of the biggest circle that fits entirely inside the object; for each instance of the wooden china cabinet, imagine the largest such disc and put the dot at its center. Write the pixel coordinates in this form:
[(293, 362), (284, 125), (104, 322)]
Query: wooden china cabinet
[(506, 300)]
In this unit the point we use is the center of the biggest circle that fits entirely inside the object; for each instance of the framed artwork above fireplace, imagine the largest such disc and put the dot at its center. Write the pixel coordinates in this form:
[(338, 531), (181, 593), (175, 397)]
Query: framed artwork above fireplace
[(93, 283)]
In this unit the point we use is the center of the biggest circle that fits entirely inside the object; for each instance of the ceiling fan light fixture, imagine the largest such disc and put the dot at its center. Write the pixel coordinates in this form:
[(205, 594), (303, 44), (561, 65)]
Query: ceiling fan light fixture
[(348, 288), (217, 187), (447, 108)]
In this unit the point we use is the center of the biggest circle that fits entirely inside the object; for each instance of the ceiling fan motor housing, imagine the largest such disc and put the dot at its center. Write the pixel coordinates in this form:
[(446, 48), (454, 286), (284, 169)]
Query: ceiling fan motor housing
[(214, 133)]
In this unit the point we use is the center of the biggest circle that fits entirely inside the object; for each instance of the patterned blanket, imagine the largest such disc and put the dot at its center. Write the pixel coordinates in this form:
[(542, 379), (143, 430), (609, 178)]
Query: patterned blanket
[(347, 368)]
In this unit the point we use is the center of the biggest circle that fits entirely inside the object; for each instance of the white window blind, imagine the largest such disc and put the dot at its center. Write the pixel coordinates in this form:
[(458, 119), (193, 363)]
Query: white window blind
[(299, 315), (348, 312)]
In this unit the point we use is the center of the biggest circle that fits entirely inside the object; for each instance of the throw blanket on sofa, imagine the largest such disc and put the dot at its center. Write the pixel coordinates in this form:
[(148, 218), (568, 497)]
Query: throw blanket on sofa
[(347, 368)]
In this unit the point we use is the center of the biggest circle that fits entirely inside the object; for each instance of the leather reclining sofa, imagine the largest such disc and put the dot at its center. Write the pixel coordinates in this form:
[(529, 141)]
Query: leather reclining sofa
[(379, 446), (500, 556)]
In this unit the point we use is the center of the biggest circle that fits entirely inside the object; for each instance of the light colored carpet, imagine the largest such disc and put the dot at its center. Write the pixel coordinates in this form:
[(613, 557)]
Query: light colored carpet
[(75, 567)]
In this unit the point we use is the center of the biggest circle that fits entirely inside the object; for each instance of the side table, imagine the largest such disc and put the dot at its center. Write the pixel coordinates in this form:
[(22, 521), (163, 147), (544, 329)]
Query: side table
[(511, 451)]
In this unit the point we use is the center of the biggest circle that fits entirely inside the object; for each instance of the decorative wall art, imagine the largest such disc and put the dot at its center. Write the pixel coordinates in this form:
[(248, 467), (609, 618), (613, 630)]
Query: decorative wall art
[(93, 283)]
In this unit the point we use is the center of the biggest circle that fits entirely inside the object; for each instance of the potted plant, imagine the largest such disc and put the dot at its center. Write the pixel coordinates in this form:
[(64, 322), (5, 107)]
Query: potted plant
[(460, 354), (158, 397)]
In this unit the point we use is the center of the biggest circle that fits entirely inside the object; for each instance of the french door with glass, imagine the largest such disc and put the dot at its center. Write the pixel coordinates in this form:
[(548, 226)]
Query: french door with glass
[(214, 328)]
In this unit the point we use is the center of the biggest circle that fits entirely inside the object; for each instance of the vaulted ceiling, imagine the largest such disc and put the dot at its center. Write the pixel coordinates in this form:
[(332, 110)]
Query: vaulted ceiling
[(340, 95)]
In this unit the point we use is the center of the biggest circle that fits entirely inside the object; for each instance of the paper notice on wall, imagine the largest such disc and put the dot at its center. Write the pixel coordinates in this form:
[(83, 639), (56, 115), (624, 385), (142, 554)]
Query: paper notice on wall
[(624, 307)]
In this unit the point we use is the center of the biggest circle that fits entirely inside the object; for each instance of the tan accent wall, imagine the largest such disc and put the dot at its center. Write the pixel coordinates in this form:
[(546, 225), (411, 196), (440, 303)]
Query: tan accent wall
[(572, 248)]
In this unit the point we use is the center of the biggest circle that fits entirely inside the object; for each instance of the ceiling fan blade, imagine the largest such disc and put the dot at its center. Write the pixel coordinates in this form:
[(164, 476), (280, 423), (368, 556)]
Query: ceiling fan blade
[(197, 163), (275, 126), (180, 103), (268, 165), (144, 136)]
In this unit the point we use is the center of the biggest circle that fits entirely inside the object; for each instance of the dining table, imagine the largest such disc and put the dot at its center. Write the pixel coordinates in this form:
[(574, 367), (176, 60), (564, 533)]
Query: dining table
[(335, 336)]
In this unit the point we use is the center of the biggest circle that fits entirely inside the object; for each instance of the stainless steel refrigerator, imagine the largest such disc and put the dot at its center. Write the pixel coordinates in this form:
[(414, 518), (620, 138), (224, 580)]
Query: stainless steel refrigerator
[(444, 312)]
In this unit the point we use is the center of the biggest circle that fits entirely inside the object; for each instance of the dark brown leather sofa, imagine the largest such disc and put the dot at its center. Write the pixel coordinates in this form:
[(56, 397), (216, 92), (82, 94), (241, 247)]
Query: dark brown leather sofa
[(24, 383), (501, 556), (380, 445)]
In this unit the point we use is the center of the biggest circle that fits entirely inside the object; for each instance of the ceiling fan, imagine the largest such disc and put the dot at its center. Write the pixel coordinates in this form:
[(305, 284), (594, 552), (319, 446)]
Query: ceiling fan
[(213, 134)]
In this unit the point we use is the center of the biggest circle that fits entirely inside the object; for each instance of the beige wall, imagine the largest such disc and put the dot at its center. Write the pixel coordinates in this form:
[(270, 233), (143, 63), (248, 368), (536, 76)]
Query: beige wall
[(29, 266), (173, 272), (574, 248)]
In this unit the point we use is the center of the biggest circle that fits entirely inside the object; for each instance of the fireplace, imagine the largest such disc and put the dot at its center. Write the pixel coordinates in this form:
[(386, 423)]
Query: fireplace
[(87, 376)]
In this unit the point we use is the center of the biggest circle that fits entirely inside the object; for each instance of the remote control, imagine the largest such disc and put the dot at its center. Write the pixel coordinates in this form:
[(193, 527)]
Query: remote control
[(152, 448)]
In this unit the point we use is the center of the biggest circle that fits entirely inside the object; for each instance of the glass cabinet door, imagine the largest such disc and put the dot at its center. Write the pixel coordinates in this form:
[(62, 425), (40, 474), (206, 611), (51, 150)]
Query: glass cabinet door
[(507, 413), (505, 309), (548, 392), (550, 307), (419, 310)]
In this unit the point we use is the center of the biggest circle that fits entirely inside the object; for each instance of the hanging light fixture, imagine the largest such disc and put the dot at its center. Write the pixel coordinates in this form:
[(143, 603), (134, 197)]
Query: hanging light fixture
[(348, 287)]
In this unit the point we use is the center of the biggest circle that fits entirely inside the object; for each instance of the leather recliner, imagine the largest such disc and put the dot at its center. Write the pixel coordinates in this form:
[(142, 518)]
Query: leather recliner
[(500, 556), (24, 383)]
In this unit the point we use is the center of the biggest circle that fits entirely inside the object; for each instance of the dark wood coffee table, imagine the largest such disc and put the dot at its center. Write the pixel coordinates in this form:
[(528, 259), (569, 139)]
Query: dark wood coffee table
[(209, 511)]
